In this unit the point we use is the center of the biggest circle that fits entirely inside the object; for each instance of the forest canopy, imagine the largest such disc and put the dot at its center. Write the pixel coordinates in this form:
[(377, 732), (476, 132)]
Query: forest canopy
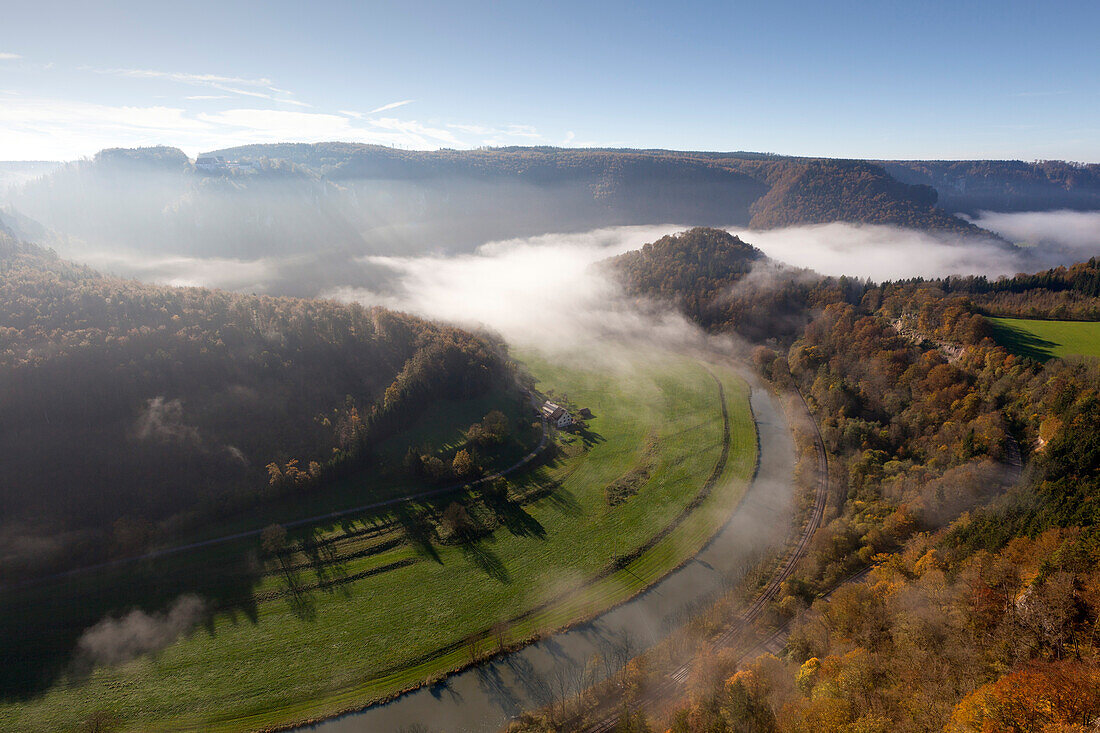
[(127, 400)]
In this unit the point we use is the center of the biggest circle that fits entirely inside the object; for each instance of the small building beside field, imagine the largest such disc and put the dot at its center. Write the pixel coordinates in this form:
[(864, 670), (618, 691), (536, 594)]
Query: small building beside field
[(556, 414)]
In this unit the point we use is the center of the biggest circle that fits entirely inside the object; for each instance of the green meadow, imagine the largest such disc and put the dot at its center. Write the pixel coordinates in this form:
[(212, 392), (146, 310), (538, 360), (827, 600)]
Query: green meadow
[(356, 609), (1043, 340)]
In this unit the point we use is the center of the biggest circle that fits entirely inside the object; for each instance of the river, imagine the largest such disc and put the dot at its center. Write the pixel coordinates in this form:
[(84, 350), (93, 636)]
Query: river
[(485, 697)]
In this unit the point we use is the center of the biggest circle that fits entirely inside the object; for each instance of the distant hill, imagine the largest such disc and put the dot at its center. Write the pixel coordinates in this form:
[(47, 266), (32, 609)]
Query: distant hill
[(970, 186), (341, 200), (137, 403), (778, 190), (823, 191)]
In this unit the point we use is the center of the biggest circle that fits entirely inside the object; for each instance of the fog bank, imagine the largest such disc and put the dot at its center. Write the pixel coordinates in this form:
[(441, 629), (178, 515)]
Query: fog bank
[(543, 291), (548, 290), (1055, 237), (881, 252)]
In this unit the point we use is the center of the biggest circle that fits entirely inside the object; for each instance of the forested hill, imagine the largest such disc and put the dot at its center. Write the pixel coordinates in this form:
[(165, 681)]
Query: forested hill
[(367, 199), (126, 402), (724, 283), (692, 264), (981, 601), (970, 186)]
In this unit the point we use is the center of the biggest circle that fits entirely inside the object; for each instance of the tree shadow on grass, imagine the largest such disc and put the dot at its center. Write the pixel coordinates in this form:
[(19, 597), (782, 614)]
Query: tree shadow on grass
[(40, 626), (477, 552), (298, 597), (323, 560), (1023, 343), (510, 513), (564, 501), (590, 438), (418, 529)]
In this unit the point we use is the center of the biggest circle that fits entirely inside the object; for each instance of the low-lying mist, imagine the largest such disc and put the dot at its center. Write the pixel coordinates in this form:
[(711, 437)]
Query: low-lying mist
[(1046, 239), (881, 252), (1055, 237), (540, 291), (546, 290)]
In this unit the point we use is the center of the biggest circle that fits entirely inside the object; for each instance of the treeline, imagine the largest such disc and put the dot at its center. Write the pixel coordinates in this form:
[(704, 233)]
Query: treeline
[(125, 400), (1061, 293)]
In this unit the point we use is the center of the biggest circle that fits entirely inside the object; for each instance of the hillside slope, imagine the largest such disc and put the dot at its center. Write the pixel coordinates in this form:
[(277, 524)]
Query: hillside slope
[(136, 403)]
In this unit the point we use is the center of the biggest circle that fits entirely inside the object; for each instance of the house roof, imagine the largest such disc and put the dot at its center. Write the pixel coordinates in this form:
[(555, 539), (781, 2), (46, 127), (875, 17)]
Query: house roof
[(552, 411)]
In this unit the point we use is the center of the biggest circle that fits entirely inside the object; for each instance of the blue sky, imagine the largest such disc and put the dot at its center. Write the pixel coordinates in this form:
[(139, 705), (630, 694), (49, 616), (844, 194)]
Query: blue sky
[(872, 79)]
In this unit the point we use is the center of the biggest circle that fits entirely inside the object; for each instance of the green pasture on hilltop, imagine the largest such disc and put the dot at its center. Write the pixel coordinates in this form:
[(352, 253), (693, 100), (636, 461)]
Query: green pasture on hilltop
[(356, 609), (1043, 340)]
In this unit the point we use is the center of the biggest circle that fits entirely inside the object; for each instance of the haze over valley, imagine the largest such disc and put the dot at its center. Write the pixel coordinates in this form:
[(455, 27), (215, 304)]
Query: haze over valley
[(425, 368)]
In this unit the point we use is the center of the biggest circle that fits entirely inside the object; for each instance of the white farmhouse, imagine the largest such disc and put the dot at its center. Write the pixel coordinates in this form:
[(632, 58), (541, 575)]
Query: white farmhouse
[(556, 414)]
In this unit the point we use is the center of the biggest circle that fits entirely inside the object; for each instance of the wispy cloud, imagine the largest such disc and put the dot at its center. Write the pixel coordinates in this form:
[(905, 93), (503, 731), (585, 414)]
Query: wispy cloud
[(60, 129), (500, 135), (391, 105), (260, 88), (263, 125), (187, 78), (410, 130), (4, 56), (53, 129)]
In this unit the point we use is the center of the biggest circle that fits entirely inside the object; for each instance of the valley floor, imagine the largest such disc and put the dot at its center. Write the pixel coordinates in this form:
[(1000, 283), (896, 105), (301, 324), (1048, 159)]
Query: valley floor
[(362, 607)]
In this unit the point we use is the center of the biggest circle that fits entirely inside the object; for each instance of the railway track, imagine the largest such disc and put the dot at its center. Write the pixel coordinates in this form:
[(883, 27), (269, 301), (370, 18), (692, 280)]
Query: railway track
[(775, 641)]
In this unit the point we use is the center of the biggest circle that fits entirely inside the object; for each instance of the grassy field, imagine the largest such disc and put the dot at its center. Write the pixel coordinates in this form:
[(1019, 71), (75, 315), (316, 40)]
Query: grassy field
[(359, 609), (1043, 340)]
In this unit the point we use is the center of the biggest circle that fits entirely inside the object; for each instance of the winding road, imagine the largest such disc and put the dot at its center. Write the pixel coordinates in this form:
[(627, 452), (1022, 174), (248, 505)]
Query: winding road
[(485, 697)]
